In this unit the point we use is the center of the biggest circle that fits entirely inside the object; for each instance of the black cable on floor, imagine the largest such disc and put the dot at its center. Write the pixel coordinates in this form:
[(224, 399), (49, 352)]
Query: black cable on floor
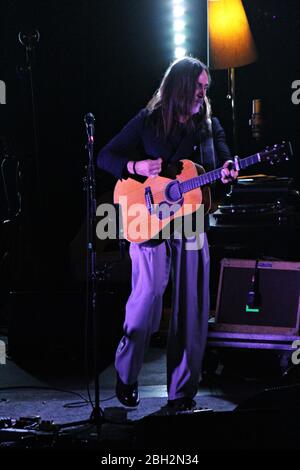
[(38, 387)]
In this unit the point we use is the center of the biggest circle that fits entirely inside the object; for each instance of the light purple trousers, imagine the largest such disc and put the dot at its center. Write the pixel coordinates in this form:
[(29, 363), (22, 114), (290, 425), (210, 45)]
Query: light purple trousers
[(151, 268)]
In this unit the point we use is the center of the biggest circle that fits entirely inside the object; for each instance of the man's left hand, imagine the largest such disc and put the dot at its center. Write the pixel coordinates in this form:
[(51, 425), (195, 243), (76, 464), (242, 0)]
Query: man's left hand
[(228, 172)]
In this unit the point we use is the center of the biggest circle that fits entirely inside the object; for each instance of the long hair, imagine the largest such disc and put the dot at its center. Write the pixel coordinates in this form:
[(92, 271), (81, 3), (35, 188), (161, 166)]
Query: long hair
[(175, 96)]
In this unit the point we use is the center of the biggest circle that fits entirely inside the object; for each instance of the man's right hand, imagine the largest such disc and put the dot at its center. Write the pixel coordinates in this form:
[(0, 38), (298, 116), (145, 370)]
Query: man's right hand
[(146, 167)]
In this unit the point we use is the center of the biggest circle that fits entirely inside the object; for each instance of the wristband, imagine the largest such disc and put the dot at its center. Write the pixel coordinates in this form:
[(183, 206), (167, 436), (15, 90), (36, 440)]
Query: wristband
[(133, 168)]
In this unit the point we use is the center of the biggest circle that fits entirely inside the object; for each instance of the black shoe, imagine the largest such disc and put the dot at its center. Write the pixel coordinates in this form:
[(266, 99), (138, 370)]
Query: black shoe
[(181, 405), (128, 395)]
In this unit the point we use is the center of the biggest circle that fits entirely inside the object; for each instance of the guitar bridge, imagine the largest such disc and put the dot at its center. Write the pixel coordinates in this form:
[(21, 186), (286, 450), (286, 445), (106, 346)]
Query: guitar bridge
[(149, 200)]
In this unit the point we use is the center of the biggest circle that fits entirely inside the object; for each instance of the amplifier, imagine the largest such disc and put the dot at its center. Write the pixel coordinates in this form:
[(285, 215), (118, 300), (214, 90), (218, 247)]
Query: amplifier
[(276, 286)]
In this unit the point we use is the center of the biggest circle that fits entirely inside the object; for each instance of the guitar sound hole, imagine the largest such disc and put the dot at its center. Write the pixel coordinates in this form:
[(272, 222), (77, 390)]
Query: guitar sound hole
[(173, 192)]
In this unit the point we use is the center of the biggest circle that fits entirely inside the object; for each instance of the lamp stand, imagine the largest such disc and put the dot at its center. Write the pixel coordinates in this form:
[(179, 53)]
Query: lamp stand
[(231, 97)]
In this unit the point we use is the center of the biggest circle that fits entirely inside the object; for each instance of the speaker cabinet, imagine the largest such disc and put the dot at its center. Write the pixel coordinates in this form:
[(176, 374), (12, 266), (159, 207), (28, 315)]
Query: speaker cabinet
[(278, 287)]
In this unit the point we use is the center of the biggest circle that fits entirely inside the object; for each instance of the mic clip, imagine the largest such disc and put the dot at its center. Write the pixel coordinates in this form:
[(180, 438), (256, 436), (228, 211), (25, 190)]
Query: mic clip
[(89, 120)]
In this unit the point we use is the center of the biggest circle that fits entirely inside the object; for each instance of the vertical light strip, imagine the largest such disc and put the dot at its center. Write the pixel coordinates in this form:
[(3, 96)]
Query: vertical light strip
[(179, 24)]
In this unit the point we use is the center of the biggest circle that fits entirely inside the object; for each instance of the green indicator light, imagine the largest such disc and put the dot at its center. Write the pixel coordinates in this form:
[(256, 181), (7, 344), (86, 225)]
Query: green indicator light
[(248, 309)]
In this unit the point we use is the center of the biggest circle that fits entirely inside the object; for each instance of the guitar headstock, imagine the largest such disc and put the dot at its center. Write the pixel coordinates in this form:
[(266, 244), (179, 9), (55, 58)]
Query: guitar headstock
[(278, 152)]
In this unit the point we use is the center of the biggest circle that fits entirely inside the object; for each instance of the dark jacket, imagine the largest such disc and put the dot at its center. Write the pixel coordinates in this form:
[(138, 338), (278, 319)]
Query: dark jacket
[(138, 140)]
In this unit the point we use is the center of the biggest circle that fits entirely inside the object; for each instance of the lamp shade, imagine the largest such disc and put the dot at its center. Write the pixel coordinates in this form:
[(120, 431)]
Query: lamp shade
[(230, 40)]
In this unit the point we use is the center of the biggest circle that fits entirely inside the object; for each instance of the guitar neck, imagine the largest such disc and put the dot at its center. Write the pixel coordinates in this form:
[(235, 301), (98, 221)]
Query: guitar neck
[(214, 175)]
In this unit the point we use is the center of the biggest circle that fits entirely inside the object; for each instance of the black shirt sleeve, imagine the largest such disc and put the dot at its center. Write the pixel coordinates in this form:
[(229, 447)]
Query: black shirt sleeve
[(115, 155)]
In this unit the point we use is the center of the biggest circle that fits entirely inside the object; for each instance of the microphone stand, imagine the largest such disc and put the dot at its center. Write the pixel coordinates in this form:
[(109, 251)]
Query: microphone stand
[(97, 414), (29, 40), (254, 296)]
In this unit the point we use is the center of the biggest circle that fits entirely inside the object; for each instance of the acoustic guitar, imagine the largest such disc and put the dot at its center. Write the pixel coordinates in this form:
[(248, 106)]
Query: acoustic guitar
[(150, 206)]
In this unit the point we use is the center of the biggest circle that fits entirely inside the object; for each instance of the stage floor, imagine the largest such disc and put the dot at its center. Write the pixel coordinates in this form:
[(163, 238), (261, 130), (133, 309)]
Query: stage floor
[(62, 398)]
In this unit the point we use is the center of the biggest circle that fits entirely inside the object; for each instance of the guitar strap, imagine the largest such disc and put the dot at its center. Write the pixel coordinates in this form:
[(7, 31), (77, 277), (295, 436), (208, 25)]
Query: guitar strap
[(207, 150)]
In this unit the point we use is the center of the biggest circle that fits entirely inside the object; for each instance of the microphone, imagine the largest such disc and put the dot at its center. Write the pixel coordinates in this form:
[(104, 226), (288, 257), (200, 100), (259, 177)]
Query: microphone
[(254, 296), (28, 38), (89, 120), (256, 122)]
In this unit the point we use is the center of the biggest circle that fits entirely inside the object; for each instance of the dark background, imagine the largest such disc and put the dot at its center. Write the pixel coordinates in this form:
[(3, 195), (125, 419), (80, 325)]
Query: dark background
[(108, 57)]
